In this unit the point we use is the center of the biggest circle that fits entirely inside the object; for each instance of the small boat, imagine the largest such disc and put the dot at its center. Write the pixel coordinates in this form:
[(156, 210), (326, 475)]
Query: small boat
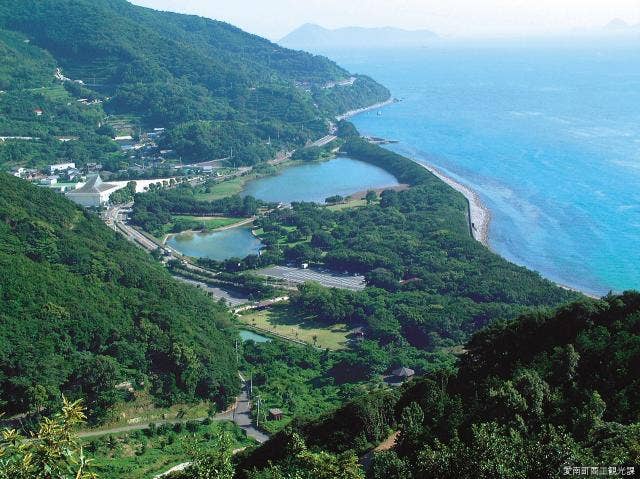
[(379, 113)]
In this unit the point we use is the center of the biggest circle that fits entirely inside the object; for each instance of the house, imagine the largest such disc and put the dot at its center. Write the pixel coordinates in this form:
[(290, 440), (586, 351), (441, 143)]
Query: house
[(275, 414), (93, 193), (403, 374), (38, 112), (93, 167), (61, 167), (49, 180), (358, 333)]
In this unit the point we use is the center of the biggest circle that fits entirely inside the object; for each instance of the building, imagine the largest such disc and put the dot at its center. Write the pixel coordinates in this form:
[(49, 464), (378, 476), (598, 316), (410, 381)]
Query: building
[(61, 167), (403, 374), (275, 414), (93, 193), (49, 180)]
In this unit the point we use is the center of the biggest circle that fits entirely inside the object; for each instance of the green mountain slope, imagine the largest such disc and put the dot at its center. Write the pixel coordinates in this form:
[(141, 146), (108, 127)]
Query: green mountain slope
[(531, 396), (83, 310), (172, 70)]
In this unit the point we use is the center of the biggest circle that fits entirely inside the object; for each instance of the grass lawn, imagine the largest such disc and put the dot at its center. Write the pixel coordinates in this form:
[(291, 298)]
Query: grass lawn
[(223, 189), (284, 321), (207, 222)]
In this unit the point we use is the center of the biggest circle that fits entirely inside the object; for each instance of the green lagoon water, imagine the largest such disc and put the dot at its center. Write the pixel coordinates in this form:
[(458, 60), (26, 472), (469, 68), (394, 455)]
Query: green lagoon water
[(217, 245), (247, 335)]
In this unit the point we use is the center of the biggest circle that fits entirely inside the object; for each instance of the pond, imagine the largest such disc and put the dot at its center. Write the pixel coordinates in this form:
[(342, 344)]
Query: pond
[(217, 245), (317, 181), (247, 335)]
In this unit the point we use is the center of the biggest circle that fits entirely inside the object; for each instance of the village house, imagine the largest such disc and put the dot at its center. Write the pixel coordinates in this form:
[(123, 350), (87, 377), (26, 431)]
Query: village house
[(60, 167)]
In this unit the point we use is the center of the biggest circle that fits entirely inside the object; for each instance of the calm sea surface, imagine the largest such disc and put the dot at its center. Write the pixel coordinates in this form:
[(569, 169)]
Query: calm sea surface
[(547, 134)]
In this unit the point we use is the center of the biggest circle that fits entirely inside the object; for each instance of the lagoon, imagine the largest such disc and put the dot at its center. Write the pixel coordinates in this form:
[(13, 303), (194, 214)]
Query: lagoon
[(317, 181), (246, 335), (217, 245)]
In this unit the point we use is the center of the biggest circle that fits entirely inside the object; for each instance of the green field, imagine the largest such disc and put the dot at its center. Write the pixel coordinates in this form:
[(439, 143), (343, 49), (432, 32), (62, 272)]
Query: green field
[(282, 320), (203, 222), (145, 454), (347, 204), (222, 190)]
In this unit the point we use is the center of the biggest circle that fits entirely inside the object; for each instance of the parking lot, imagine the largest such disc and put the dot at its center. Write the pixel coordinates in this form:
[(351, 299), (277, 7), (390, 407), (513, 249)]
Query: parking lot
[(325, 278)]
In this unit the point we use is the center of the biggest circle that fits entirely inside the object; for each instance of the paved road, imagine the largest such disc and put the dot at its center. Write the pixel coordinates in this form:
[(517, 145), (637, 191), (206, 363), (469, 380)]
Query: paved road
[(328, 279), (241, 415), (325, 140), (232, 299)]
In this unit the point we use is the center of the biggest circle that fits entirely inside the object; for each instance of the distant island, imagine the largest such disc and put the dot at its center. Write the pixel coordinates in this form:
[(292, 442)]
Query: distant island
[(313, 37)]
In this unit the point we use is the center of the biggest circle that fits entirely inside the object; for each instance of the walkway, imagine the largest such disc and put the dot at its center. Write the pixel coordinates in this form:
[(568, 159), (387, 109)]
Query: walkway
[(240, 414)]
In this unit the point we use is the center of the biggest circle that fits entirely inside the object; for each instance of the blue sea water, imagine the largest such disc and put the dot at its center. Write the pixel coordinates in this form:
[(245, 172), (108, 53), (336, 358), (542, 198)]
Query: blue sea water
[(548, 135)]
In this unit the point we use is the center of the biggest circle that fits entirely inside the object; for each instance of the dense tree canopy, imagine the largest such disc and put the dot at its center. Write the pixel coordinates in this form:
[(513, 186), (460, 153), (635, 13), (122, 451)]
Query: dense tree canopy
[(82, 310), (216, 88), (533, 395)]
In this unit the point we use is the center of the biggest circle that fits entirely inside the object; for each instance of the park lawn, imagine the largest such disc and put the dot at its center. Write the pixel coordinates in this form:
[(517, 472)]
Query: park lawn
[(146, 454), (207, 222), (212, 223), (282, 320), (222, 190)]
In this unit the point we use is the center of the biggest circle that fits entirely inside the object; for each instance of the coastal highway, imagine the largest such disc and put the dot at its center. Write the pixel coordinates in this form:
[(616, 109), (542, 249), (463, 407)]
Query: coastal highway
[(325, 140)]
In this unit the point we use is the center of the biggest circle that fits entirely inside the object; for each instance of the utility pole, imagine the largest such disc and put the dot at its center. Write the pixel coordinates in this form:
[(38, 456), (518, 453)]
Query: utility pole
[(258, 415)]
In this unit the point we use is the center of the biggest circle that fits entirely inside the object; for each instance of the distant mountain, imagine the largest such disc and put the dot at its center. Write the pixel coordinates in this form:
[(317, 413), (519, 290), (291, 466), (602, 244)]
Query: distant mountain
[(314, 38), (617, 25)]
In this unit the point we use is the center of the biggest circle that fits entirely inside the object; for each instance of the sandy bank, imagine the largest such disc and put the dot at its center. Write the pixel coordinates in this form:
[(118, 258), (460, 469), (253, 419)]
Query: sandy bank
[(352, 113), (479, 215)]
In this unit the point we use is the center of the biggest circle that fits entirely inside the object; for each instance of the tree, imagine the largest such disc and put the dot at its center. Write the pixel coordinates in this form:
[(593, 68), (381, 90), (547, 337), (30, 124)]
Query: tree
[(371, 197), (52, 452)]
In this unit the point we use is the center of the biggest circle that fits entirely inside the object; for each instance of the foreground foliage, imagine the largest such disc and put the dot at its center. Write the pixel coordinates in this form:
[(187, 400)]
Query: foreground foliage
[(531, 396), (51, 453)]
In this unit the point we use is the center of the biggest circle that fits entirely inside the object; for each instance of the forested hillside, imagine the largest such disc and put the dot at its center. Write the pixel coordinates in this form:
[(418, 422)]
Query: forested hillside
[(431, 284), (205, 81), (83, 310), (531, 396)]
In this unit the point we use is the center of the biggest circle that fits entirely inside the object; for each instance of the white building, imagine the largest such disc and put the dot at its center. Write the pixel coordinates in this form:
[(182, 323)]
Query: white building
[(93, 193), (60, 167), (49, 180)]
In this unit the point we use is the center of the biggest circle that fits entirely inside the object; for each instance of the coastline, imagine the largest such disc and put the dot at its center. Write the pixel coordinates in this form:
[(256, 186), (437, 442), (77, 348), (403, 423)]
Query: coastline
[(479, 214), (352, 113)]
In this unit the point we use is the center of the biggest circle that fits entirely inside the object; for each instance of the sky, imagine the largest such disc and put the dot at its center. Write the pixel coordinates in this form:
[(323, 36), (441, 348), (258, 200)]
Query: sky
[(451, 18)]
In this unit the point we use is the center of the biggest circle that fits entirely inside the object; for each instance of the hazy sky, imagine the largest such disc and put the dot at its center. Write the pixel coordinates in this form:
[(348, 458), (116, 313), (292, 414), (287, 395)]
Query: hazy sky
[(276, 18)]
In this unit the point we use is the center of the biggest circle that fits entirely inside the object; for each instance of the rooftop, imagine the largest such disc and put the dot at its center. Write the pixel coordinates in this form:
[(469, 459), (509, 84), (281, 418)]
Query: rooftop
[(94, 184), (404, 372)]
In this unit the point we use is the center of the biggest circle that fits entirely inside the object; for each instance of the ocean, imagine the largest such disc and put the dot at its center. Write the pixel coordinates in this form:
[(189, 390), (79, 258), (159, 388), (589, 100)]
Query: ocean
[(547, 134)]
